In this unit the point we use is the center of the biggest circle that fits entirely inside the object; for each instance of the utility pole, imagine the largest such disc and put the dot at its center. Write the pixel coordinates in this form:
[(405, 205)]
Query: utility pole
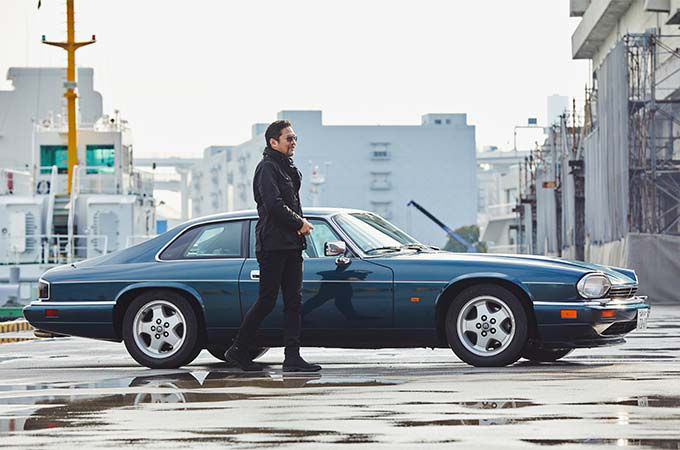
[(71, 46)]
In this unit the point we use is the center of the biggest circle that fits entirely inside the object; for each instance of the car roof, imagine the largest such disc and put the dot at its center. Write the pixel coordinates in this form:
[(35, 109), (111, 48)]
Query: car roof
[(252, 214)]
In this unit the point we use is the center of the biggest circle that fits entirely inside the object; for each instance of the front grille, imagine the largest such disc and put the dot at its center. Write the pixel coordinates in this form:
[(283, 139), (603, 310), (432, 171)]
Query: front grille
[(620, 328), (622, 291)]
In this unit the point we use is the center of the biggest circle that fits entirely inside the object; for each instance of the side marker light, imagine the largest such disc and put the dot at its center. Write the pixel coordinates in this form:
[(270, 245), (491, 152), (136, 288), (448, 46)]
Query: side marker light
[(51, 313), (608, 313), (415, 299), (568, 314)]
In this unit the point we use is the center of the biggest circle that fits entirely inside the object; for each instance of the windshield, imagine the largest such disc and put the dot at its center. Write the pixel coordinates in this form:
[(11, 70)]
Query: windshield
[(373, 233)]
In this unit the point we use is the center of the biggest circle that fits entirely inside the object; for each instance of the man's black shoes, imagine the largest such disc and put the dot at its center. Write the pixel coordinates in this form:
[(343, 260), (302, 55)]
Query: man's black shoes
[(239, 356), (295, 363)]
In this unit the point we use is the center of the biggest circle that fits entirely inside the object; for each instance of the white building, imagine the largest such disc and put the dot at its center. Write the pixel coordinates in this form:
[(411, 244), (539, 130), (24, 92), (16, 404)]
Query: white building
[(377, 168), (37, 97)]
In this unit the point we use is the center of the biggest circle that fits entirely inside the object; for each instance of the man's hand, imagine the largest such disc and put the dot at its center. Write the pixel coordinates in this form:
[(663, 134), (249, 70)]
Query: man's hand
[(305, 229)]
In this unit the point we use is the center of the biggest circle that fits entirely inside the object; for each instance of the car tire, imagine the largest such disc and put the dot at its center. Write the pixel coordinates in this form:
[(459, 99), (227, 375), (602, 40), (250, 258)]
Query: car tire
[(487, 326), (173, 342), (535, 353), (218, 352)]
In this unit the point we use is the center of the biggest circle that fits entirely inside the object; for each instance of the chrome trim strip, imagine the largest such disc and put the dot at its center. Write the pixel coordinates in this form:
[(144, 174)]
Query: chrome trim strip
[(539, 303), (93, 303), (603, 303), (547, 282), (146, 281)]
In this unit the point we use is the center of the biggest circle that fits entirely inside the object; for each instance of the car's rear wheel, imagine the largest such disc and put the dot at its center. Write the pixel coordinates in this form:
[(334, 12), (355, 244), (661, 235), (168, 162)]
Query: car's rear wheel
[(218, 351), (534, 352), (161, 330), (486, 326)]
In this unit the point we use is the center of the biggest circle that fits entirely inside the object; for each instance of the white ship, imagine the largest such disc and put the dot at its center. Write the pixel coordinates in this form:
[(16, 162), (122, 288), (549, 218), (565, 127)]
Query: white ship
[(110, 205)]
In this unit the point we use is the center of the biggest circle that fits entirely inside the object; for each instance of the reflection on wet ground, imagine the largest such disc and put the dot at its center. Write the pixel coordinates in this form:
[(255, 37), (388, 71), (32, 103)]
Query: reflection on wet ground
[(611, 397), (647, 443)]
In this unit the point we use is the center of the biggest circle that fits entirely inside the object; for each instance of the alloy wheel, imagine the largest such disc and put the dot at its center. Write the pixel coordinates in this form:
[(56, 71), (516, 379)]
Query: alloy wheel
[(159, 329), (486, 325)]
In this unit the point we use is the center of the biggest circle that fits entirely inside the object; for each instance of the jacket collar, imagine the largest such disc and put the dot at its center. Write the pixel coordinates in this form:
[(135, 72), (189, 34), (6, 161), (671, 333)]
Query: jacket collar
[(277, 155)]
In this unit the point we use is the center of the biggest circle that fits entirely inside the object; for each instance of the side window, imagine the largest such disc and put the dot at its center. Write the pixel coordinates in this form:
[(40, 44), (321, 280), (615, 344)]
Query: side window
[(215, 240), (321, 234)]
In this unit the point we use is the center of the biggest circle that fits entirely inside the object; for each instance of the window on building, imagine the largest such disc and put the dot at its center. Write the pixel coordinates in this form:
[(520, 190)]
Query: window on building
[(438, 121), (53, 155), (380, 151), (380, 180), (448, 121)]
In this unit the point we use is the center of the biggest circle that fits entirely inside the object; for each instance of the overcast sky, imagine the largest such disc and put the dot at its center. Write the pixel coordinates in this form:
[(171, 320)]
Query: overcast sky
[(188, 74)]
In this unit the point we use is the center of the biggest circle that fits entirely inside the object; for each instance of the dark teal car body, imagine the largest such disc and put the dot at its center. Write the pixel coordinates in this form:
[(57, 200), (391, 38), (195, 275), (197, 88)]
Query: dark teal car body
[(391, 298)]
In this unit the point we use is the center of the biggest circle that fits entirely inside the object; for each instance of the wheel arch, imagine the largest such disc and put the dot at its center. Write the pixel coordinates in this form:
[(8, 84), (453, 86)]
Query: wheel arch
[(457, 285), (125, 297)]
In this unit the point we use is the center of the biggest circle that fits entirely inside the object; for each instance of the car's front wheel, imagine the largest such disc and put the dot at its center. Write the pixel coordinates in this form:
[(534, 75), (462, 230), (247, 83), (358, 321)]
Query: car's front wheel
[(486, 326), (533, 352), (161, 330)]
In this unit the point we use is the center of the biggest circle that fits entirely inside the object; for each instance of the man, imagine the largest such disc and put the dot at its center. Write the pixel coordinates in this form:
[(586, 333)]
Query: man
[(279, 241)]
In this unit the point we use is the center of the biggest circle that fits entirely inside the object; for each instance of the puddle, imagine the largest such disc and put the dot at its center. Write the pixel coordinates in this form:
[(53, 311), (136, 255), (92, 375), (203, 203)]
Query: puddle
[(265, 437), (620, 357), (487, 404), (652, 401), (177, 391), (488, 421), (653, 443)]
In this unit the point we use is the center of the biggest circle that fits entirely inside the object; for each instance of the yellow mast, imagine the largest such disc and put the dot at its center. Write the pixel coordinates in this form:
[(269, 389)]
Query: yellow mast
[(71, 46)]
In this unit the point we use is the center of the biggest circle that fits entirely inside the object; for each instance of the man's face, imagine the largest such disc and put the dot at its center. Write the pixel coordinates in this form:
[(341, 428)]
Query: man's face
[(286, 143)]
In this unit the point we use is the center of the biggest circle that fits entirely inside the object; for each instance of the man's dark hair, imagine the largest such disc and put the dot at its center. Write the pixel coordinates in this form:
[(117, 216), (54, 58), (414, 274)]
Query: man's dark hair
[(274, 130)]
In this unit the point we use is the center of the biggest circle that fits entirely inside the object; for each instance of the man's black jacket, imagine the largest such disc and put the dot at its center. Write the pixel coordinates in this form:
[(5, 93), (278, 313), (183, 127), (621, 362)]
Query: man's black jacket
[(276, 187)]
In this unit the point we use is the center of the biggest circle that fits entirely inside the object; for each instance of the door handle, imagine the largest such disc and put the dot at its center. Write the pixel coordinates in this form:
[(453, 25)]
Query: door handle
[(254, 274)]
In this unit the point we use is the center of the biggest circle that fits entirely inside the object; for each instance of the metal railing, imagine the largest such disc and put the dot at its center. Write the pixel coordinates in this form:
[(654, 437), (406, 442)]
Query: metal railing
[(501, 209), (91, 181), (51, 248)]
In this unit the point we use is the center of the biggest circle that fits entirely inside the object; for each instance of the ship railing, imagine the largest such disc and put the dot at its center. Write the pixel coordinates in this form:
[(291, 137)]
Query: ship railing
[(15, 182), (141, 183), (97, 180), (51, 248), (138, 239)]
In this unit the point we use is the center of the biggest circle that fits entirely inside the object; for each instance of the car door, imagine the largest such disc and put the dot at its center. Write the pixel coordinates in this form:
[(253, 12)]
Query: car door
[(208, 258), (334, 296)]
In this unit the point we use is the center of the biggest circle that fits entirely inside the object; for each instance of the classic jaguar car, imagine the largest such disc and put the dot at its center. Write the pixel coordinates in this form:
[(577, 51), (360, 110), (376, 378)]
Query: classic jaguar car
[(366, 284)]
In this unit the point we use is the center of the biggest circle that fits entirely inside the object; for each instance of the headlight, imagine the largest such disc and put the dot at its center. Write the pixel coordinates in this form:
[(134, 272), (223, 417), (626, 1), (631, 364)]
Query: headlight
[(593, 285), (43, 290)]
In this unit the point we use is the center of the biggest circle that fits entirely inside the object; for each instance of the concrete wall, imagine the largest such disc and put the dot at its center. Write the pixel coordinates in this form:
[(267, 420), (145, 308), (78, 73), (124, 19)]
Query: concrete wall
[(653, 257)]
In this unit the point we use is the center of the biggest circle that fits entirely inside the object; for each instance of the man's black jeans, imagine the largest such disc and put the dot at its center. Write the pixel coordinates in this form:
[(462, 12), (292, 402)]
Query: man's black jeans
[(278, 269)]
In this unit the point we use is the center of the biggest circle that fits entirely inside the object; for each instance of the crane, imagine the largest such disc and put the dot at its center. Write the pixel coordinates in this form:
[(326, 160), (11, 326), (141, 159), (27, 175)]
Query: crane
[(470, 248)]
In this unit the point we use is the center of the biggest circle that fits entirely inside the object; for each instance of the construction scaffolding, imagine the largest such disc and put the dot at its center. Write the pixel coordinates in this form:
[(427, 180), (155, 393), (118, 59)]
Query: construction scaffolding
[(604, 187), (653, 124)]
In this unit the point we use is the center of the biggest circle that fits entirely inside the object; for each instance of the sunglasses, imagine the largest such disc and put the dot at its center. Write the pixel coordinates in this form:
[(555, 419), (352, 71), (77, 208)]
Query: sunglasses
[(292, 138)]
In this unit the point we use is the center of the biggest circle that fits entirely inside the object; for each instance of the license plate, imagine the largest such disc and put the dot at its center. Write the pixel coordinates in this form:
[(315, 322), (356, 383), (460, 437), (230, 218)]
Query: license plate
[(642, 316)]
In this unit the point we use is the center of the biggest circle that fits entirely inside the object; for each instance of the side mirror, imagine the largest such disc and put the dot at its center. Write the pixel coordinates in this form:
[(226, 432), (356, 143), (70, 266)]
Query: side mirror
[(334, 248)]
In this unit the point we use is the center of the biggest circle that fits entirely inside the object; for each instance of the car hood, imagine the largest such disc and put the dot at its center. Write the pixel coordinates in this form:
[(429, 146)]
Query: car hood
[(616, 275)]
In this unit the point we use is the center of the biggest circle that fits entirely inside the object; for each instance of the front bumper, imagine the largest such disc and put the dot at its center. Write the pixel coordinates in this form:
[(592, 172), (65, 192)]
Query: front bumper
[(588, 327)]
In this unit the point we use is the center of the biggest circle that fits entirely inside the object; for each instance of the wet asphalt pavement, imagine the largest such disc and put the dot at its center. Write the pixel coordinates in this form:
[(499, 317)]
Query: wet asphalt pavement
[(74, 392)]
